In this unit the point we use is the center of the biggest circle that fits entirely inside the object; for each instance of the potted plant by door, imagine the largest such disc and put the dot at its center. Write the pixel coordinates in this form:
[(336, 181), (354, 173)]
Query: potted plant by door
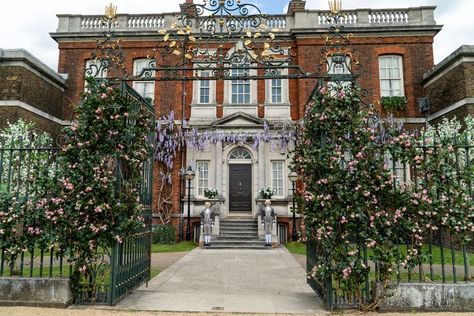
[(266, 193), (210, 193)]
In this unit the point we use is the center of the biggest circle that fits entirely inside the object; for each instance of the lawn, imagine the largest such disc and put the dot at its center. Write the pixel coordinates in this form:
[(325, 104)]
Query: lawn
[(56, 272), (178, 247), (300, 248), (296, 247)]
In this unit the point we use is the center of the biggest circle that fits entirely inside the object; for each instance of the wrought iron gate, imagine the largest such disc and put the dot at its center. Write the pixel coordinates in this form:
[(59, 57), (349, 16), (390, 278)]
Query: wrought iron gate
[(130, 262)]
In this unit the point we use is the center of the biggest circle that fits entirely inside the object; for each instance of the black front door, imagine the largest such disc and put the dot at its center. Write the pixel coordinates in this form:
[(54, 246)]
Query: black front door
[(240, 188)]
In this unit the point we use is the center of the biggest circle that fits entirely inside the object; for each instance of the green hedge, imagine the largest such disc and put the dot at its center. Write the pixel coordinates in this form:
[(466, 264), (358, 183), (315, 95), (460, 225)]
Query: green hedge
[(164, 234)]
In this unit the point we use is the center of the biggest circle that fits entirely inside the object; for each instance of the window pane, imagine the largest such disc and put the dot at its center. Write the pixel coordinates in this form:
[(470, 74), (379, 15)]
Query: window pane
[(391, 73), (145, 88), (277, 177), (240, 88), (95, 69), (202, 176)]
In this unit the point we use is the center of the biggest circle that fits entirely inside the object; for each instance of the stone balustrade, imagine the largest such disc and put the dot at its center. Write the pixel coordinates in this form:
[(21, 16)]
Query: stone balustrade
[(308, 19)]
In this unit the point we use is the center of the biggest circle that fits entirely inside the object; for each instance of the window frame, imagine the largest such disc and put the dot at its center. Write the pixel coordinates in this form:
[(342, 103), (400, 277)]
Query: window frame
[(389, 77), (101, 75), (401, 171), (279, 188), (332, 70), (202, 182), (246, 85), (204, 73), (147, 83)]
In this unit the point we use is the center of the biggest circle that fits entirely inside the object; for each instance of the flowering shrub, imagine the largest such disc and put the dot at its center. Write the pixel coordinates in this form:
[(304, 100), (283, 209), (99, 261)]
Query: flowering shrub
[(105, 149), (266, 192), (20, 168), (210, 193), (93, 201), (353, 203)]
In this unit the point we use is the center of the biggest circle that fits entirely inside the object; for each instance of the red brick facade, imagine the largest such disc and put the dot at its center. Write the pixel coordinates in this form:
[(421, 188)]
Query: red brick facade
[(450, 86), (414, 43), (31, 91)]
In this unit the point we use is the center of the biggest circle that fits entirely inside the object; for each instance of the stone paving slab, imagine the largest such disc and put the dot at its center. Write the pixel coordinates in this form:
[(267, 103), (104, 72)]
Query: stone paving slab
[(245, 281)]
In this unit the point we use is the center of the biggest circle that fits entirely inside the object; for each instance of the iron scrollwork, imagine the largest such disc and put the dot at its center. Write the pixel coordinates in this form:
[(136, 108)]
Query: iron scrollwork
[(220, 37), (108, 58)]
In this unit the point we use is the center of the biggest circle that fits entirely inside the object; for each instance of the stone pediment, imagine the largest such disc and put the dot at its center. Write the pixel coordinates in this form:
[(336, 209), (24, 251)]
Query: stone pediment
[(239, 119)]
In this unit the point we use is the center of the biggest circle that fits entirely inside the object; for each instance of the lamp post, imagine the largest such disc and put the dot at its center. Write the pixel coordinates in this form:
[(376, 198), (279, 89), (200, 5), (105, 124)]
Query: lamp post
[(293, 176), (189, 175), (182, 194)]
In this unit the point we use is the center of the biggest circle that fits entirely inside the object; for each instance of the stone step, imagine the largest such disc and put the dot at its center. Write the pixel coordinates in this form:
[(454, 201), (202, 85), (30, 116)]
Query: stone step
[(239, 233), (236, 242), (228, 237), (238, 223), (239, 229), (254, 226), (248, 247)]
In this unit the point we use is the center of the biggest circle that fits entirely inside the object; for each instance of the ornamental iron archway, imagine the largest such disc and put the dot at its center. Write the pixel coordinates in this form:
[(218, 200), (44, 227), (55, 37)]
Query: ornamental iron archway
[(229, 40)]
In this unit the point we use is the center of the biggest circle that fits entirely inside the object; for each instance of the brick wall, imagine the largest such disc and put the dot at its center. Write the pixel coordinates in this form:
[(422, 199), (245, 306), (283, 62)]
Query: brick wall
[(450, 88), (18, 83), (12, 114), (416, 51)]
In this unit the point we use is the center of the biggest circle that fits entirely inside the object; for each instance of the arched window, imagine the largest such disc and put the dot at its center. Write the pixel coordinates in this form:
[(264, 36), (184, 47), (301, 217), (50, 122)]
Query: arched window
[(240, 154)]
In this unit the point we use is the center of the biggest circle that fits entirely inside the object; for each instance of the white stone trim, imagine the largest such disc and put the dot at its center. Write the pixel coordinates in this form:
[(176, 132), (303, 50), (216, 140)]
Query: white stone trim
[(460, 61), (410, 120), (22, 58), (451, 108), (32, 109)]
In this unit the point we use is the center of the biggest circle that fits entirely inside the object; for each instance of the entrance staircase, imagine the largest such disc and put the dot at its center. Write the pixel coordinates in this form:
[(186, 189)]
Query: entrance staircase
[(238, 233)]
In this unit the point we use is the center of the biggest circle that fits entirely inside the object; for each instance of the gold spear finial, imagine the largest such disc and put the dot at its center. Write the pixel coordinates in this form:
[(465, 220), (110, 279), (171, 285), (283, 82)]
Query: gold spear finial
[(335, 6), (111, 11)]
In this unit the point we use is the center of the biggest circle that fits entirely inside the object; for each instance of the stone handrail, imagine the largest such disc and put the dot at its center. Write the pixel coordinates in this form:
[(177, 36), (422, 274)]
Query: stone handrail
[(308, 19)]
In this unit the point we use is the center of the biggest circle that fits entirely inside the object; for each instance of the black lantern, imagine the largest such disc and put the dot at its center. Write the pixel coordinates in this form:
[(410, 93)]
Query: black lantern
[(293, 176), (189, 175)]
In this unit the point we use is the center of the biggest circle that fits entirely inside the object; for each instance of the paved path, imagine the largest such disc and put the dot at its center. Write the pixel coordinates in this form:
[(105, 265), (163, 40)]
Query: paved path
[(258, 281)]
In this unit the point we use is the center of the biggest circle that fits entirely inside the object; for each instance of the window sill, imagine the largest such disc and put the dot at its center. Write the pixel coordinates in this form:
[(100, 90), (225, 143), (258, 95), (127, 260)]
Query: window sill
[(239, 104), (269, 104), (203, 104), (276, 200)]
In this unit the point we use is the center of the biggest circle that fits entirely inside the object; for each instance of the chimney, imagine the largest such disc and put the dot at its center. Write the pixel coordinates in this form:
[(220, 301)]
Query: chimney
[(296, 6), (185, 7)]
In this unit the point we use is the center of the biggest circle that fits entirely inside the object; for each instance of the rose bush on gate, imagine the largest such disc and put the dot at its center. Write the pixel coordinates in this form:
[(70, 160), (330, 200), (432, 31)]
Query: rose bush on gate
[(354, 204), (94, 199), (105, 149)]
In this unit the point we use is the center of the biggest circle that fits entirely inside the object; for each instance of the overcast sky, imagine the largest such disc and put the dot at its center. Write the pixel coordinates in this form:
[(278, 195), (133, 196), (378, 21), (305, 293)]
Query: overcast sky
[(27, 23)]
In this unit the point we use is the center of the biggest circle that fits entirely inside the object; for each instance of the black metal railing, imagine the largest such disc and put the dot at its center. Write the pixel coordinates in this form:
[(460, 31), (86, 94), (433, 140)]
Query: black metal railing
[(28, 167), (443, 258)]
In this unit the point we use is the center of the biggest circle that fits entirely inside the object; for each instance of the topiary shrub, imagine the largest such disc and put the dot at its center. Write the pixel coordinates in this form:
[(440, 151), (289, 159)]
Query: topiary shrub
[(164, 234)]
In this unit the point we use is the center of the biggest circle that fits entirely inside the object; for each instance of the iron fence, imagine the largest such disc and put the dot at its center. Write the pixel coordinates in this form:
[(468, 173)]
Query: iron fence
[(123, 267), (443, 258)]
